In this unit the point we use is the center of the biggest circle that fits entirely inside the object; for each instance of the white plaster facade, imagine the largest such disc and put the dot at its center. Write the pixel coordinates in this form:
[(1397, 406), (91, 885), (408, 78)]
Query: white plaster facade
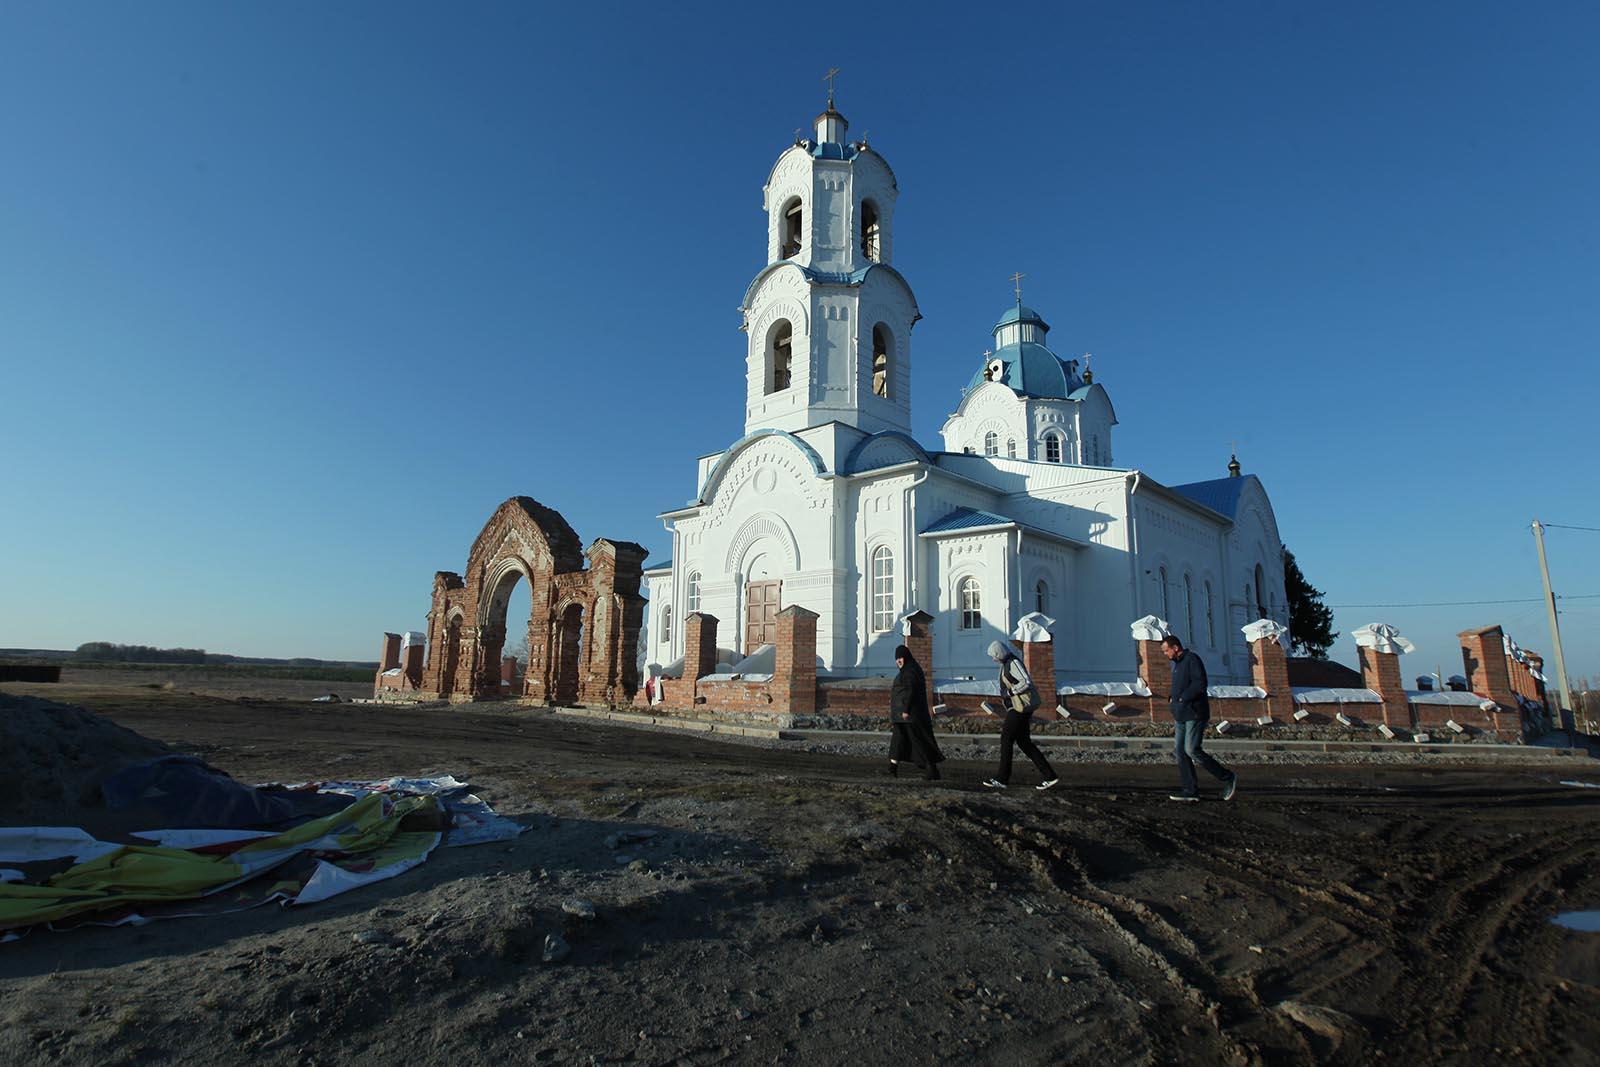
[(828, 494)]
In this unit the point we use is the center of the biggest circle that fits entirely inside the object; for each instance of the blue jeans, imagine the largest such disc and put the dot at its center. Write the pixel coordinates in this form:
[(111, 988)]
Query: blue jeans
[(1186, 746)]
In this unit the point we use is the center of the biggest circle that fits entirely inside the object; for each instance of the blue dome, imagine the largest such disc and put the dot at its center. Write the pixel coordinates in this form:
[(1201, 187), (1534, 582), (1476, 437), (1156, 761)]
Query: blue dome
[(1033, 370), (1021, 313)]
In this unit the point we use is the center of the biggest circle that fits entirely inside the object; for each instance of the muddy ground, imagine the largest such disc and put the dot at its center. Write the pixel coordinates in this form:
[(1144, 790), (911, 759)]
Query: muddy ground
[(773, 905)]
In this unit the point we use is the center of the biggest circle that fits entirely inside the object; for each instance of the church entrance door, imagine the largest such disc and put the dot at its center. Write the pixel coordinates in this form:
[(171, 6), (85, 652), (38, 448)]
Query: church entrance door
[(760, 615)]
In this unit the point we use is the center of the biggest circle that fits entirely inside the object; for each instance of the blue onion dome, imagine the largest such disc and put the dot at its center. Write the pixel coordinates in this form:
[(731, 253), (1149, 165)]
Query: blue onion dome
[(1023, 362)]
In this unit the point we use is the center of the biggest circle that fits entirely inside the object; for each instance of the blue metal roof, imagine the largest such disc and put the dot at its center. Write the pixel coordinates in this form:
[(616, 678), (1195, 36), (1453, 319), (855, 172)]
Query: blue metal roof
[(1033, 370), (830, 150), (1021, 313), (968, 519), (663, 566), (1220, 494)]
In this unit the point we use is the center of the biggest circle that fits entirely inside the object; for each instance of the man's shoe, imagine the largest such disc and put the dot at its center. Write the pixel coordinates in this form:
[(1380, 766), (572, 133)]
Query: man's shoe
[(1233, 784), (1185, 797), (994, 783), (1049, 783)]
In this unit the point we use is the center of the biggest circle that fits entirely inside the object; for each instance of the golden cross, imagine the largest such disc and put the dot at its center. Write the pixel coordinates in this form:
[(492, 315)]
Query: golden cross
[(828, 77), (1016, 280)]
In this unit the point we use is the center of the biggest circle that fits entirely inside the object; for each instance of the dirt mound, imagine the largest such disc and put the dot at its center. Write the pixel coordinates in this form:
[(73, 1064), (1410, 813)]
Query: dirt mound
[(56, 755)]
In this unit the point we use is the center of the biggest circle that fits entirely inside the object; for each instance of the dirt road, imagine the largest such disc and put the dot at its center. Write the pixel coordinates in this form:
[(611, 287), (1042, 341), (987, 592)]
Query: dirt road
[(770, 905)]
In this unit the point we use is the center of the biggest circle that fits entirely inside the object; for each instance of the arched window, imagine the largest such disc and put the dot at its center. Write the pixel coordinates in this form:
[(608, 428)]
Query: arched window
[(1052, 448), (882, 590), (971, 604), (666, 625), (1211, 620), (1261, 596), (880, 362), (1166, 601), (870, 232), (1011, 448), (1188, 609), (1041, 597), (694, 592), (991, 444), (781, 357), (793, 217)]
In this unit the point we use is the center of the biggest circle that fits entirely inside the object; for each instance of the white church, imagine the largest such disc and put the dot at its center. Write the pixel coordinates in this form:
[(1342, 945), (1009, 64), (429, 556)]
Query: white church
[(827, 501)]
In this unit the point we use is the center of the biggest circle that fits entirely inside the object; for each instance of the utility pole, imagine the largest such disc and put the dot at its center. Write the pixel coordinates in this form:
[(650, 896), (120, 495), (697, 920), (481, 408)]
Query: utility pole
[(1555, 631)]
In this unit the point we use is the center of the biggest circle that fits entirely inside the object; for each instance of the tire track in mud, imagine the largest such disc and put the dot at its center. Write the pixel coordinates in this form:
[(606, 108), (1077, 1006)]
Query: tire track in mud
[(1470, 918)]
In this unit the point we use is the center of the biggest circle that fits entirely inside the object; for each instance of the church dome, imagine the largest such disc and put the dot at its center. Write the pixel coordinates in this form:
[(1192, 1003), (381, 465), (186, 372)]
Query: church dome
[(1026, 365)]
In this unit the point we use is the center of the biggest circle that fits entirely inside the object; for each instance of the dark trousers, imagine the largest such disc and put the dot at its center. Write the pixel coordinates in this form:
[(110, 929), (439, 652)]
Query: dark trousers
[(1015, 732), (1187, 747)]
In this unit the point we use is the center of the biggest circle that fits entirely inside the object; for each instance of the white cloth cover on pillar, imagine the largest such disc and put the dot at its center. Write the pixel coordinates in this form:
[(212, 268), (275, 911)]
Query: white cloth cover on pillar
[(1033, 627), (1150, 628), (1268, 629), (1383, 637), (412, 637)]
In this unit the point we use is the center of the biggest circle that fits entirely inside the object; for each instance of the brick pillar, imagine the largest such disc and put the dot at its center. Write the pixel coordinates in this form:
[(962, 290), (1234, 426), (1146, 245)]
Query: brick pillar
[(411, 653), (1155, 669), (391, 653), (1380, 671), (1536, 662), (699, 648), (1483, 655), (508, 671), (919, 639), (1269, 669), (1039, 657), (794, 678)]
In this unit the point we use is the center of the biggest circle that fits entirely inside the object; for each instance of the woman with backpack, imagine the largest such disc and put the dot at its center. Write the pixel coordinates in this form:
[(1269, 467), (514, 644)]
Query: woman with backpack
[(1021, 698)]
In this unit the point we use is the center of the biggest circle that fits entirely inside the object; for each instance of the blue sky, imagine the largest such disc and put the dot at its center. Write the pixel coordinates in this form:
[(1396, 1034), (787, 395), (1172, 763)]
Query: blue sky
[(293, 295)]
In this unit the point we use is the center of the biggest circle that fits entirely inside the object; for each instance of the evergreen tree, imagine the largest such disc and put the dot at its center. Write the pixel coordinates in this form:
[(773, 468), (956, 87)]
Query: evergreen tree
[(1310, 620)]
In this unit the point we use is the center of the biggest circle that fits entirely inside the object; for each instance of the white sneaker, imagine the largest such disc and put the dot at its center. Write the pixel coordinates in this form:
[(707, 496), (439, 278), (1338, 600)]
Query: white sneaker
[(994, 783), (1049, 784)]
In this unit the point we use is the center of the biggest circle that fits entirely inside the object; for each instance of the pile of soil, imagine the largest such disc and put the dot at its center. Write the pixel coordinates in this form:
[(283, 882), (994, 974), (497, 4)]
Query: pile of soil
[(56, 757)]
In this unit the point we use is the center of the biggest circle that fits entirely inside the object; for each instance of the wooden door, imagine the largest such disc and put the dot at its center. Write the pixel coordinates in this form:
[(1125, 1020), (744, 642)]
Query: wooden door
[(760, 615)]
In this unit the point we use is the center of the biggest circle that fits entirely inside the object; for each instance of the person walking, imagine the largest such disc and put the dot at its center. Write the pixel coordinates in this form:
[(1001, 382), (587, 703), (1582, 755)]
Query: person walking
[(1191, 710), (1021, 698), (909, 720)]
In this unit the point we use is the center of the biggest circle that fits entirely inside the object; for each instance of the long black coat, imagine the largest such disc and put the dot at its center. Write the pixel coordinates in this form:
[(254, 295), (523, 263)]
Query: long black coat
[(912, 724), (1189, 701)]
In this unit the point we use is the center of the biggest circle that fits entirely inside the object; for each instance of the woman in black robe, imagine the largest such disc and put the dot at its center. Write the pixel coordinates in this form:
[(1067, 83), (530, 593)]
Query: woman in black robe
[(909, 719)]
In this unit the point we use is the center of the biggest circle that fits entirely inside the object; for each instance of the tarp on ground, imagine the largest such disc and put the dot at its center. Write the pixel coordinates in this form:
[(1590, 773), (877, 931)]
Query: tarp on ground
[(188, 791)]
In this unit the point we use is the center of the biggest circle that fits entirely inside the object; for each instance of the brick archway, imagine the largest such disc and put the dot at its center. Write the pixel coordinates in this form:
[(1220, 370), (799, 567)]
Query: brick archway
[(467, 627)]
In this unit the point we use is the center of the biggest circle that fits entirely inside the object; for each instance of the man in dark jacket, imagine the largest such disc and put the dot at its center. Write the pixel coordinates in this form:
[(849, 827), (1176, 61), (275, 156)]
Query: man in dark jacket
[(1191, 710)]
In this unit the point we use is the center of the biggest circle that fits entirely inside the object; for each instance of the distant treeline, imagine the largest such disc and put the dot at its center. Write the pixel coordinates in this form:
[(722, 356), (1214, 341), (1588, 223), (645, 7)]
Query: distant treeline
[(109, 652)]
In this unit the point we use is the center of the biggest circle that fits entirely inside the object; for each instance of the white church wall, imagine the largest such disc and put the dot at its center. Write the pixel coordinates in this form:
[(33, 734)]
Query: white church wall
[(873, 181), (782, 295), (831, 231), (790, 178), (984, 558), (880, 520)]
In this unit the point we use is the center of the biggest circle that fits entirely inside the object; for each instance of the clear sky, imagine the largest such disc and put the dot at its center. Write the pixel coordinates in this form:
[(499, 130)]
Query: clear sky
[(293, 295)]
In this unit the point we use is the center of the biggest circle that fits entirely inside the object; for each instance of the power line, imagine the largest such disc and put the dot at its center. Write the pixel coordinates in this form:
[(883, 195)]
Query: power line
[(1467, 603), (1558, 526)]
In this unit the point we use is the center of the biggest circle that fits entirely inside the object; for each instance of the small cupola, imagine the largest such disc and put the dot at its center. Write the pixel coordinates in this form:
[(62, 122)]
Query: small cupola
[(831, 126)]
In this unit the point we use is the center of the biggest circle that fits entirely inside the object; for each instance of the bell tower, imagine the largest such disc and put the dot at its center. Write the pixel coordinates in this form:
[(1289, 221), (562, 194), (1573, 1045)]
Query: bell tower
[(828, 319)]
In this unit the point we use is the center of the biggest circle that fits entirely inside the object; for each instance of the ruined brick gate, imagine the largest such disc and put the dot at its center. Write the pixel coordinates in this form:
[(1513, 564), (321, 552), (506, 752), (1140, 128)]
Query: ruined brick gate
[(583, 627)]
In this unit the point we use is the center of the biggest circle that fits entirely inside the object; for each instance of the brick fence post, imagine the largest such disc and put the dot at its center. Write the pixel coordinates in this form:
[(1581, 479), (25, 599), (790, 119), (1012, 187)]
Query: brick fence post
[(919, 639), (794, 676), (1039, 657), (1269, 669), (1380, 672), (1483, 655), (699, 650)]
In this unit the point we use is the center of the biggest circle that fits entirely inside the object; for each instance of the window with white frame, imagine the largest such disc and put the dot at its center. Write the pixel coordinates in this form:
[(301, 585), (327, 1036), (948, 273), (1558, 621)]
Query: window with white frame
[(1041, 597), (1166, 601), (882, 590), (1188, 609), (1052, 448), (1261, 593), (694, 593), (666, 625), (991, 444), (1211, 620), (971, 604), (1011, 448)]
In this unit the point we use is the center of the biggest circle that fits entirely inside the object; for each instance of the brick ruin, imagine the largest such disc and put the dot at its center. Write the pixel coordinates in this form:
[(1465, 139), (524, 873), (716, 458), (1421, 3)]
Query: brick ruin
[(582, 629)]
